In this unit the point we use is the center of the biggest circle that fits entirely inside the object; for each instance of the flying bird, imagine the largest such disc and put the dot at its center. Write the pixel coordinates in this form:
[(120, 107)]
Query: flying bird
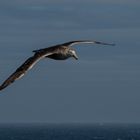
[(57, 52)]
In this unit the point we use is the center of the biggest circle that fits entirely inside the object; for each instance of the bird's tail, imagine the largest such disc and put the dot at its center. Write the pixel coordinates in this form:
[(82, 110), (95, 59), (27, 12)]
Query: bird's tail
[(35, 51)]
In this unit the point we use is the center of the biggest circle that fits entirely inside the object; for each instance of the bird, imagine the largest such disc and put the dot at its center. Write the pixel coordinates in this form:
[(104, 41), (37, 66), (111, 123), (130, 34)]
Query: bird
[(57, 52)]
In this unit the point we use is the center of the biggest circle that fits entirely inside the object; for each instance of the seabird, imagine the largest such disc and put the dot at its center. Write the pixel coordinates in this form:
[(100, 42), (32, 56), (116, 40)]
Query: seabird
[(57, 52)]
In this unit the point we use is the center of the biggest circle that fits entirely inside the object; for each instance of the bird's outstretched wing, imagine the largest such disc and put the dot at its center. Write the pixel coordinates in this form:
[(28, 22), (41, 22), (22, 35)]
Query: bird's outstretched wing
[(20, 72), (71, 43)]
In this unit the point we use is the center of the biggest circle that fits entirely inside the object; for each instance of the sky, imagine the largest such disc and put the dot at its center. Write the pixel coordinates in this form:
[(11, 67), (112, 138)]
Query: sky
[(102, 86)]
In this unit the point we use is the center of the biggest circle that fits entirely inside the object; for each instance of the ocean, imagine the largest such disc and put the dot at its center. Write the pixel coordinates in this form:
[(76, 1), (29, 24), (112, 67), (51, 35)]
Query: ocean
[(69, 132)]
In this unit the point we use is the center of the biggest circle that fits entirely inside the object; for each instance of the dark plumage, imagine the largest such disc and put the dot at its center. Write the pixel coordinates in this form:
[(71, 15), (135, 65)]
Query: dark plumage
[(58, 52)]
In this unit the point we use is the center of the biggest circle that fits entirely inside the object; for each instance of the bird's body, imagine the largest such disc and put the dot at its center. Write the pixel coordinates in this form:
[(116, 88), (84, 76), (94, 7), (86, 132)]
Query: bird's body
[(58, 52), (61, 53)]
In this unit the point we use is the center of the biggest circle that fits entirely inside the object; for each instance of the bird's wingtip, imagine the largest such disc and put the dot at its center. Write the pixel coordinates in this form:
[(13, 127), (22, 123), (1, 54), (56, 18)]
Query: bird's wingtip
[(1, 87), (113, 44)]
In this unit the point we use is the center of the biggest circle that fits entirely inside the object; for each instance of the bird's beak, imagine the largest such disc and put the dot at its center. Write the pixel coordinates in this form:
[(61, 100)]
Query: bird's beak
[(75, 56)]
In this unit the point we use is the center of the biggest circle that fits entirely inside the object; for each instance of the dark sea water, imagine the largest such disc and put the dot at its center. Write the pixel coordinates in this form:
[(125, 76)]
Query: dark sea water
[(69, 132)]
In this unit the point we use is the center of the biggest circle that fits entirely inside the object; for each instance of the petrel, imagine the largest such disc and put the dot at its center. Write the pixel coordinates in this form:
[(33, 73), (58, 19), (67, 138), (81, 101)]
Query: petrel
[(57, 52)]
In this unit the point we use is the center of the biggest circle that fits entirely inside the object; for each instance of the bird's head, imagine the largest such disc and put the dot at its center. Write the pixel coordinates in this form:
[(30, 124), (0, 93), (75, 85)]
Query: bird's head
[(72, 53)]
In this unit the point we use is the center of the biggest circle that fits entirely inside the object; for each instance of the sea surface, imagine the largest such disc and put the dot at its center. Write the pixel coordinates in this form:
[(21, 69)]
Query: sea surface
[(69, 132)]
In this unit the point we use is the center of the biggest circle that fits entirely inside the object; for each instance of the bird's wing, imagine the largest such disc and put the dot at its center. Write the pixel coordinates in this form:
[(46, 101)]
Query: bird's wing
[(71, 43), (20, 72)]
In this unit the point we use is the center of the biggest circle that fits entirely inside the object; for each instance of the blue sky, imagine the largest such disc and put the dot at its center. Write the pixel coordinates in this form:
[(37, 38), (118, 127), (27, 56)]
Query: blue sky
[(102, 86)]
